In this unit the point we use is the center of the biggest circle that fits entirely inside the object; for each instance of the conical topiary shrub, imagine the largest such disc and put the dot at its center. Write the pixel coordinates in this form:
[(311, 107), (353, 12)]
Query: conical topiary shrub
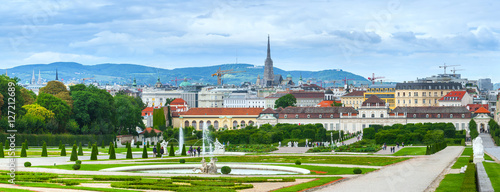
[(2, 155), (80, 150), (6, 144), (112, 154), (183, 153), (93, 156), (171, 152), (102, 145), (145, 152), (23, 151), (63, 150), (147, 145), (129, 151), (116, 145), (44, 149), (158, 148), (60, 144), (74, 155)]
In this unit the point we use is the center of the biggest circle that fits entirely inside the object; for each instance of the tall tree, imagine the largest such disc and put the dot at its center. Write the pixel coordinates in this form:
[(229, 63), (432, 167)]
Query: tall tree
[(38, 111), (53, 88), (60, 109), (128, 114), (28, 96), (285, 101), (9, 85)]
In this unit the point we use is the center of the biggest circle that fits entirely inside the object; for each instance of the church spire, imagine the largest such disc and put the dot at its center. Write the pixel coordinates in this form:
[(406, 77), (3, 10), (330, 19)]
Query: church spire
[(33, 78), (57, 76), (268, 47)]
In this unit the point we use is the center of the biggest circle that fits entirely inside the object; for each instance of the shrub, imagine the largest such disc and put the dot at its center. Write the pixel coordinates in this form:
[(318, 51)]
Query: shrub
[(90, 145), (145, 152), (357, 171), (74, 155), (115, 178), (7, 144), (80, 150), (23, 151), (63, 150), (137, 144), (76, 166), (78, 162), (1, 151), (182, 161), (147, 144), (225, 170), (158, 147), (26, 142), (129, 151), (462, 143), (183, 153), (469, 183), (171, 152), (297, 162), (102, 145), (60, 144), (116, 145), (27, 164), (93, 155), (112, 154)]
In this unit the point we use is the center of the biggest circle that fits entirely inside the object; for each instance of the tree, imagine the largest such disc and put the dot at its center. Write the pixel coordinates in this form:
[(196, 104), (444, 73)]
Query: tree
[(2, 155), (183, 153), (171, 152), (23, 150), (77, 87), (44, 149), (63, 150), (128, 114), (53, 88), (285, 101), (28, 96), (158, 117), (7, 85), (38, 111), (145, 152), (74, 155), (93, 155), (158, 147), (112, 154), (473, 129), (80, 150), (369, 133), (129, 151), (60, 109)]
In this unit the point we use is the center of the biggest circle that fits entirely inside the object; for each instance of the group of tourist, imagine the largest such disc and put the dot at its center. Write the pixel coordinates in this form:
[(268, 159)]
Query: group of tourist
[(192, 151), (393, 149), (155, 151)]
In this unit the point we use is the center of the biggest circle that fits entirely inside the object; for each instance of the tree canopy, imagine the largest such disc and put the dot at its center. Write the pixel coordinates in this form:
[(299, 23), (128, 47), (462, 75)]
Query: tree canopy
[(285, 101), (38, 111)]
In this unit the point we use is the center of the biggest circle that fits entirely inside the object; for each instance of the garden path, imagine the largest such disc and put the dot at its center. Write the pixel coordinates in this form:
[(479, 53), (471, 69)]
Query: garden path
[(286, 149), (489, 146), (40, 189), (388, 150), (412, 175)]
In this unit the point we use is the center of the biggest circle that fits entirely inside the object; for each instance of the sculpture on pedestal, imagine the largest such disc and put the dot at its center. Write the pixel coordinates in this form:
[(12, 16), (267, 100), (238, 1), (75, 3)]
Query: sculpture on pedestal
[(478, 149)]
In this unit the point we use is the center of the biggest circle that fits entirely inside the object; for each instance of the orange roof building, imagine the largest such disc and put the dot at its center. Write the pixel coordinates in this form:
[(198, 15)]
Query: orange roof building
[(482, 110)]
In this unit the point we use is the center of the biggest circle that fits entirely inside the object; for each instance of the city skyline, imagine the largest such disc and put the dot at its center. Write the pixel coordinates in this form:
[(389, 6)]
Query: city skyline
[(399, 40)]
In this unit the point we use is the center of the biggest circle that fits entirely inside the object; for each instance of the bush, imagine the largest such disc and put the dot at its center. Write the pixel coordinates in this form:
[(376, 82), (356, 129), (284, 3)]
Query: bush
[(93, 155), (129, 151), (90, 145), (60, 144), (112, 154), (137, 144), (63, 150), (27, 164), (357, 171), (102, 145), (462, 143), (171, 152), (297, 162), (182, 161), (183, 153), (469, 183), (44, 149), (23, 151), (74, 155), (115, 178), (76, 166), (225, 170), (145, 152), (1, 150), (78, 162), (80, 149)]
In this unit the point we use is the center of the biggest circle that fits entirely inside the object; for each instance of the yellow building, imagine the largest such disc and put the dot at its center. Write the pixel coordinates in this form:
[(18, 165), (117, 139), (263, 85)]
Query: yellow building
[(353, 99), (423, 94), (384, 92), (229, 118)]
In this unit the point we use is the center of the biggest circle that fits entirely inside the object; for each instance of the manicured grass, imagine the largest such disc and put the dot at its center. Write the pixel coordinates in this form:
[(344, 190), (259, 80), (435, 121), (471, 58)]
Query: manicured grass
[(487, 157), (354, 160), (310, 184), (410, 151), (316, 170), (461, 161), (91, 167), (493, 171), (451, 183), (467, 151), (13, 190), (50, 185)]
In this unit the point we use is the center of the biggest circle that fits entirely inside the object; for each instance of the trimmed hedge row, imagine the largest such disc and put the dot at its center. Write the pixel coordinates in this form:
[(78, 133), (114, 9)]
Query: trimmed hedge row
[(115, 178), (436, 147), (53, 140), (469, 183)]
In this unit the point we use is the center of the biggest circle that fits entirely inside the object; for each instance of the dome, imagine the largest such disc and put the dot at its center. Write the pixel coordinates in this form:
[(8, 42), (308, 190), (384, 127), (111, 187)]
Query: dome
[(329, 91), (289, 76), (184, 84)]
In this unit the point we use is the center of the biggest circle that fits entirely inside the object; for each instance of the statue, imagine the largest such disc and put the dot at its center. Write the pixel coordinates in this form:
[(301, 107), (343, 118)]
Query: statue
[(133, 143), (211, 168), (164, 145), (478, 149), (219, 148)]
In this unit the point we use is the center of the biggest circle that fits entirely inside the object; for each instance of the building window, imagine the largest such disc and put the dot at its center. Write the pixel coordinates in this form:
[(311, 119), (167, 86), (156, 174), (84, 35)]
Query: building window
[(286, 116), (331, 116), (296, 116), (363, 115), (398, 94), (463, 116), (373, 115), (320, 116), (423, 101), (451, 115), (409, 94), (216, 124), (423, 94), (242, 124), (209, 123), (414, 115), (201, 124), (416, 101), (235, 124), (193, 124), (416, 94), (398, 101), (403, 94), (439, 115), (186, 123), (308, 116), (381, 115)]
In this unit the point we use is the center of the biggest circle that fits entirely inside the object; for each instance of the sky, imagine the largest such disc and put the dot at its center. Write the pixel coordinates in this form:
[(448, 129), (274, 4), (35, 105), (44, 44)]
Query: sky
[(398, 39)]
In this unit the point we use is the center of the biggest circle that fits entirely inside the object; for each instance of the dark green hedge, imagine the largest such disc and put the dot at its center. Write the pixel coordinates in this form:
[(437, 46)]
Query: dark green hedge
[(53, 140), (469, 183)]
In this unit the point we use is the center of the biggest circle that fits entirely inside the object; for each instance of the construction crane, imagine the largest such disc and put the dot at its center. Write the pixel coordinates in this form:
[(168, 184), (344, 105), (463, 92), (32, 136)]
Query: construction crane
[(176, 80), (83, 79), (373, 78), (454, 70), (221, 73), (446, 66), (345, 80)]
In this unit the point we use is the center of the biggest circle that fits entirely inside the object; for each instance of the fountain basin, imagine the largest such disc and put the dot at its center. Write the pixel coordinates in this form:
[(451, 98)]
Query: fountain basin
[(236, 169)]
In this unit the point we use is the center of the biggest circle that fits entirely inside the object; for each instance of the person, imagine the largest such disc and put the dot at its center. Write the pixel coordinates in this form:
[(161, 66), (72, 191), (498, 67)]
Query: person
[(403, 144), (161, 152), (191, 150), (199, 151), (194, 152), (154, 151)]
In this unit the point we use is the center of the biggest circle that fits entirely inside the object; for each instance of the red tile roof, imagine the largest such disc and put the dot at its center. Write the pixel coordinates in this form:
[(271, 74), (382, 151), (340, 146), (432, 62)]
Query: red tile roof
[(482, 110), (453, 96), (178, 101), (326, 103), (355, 94), (475, 107), (224, 111), (148, 111), (149, 129), (268, 111)]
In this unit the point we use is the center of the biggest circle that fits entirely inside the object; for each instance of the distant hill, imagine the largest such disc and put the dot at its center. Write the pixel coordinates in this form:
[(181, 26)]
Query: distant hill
[(109, 73)]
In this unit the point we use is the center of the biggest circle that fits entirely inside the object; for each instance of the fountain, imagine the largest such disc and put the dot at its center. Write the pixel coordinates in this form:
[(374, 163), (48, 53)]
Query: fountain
[(181, 141)]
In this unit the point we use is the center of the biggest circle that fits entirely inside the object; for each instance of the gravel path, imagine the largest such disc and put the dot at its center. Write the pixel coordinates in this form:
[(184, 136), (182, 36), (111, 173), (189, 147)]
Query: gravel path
[(489, 146), (412, 175)]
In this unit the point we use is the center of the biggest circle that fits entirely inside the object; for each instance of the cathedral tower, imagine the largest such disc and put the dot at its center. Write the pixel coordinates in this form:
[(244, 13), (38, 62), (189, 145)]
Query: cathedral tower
[(268, 67)]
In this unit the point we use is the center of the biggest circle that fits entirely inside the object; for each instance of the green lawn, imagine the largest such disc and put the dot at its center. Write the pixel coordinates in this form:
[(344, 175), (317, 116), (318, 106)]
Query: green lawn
[(310, 184), (467, 151), (487, 157), (91, 167), (461, 161), (493, 171), (354, 160), (451, 183), (12, 190), (330, 170), (410, 151)]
